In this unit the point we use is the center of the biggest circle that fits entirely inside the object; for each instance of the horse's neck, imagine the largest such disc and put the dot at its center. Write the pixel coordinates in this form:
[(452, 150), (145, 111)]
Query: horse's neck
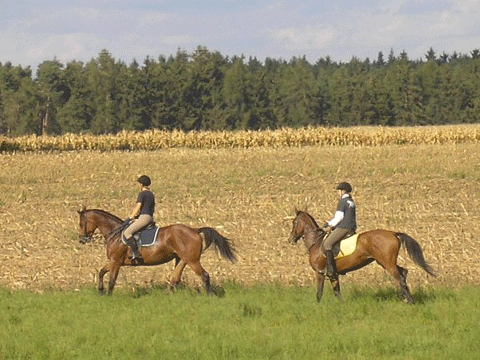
[(106, 225), (310, 235)]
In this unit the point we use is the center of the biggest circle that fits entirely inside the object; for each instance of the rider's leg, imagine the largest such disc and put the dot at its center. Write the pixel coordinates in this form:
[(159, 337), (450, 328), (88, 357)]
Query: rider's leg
[(335, 236), (137, 224)]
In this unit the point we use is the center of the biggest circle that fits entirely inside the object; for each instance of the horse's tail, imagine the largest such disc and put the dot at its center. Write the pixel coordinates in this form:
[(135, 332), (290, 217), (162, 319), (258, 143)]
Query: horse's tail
[(221, 243), (415, 252)]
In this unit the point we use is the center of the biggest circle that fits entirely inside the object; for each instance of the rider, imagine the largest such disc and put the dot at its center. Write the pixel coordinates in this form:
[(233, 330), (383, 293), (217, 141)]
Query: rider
[(142, 215), (343, 223)]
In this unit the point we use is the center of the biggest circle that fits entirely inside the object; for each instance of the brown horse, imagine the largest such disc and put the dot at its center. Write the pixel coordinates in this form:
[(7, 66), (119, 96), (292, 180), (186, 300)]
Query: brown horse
[(175, 242), (382, 246)]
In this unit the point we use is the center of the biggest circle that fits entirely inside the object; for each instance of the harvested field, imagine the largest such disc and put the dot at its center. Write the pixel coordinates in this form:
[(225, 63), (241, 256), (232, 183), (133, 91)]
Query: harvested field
[(428, 191)]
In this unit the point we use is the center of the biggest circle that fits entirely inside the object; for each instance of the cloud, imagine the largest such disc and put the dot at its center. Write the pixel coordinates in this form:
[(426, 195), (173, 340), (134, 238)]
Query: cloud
[(64, 47), (34, 32), (307, 38)]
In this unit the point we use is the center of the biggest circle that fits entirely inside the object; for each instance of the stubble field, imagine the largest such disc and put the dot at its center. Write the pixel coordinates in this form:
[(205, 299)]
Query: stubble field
[(249, 195)]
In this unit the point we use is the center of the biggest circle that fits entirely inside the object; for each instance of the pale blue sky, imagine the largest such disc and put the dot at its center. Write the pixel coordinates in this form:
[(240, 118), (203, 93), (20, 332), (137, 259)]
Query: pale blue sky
[(35, 31)]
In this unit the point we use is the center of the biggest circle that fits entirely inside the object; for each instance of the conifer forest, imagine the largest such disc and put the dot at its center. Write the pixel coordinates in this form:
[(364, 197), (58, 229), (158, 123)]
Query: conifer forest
[(204, 90)]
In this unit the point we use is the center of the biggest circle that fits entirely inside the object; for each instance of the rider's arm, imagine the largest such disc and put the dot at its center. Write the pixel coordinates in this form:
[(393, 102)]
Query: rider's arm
[(136, 210), (336, 219)]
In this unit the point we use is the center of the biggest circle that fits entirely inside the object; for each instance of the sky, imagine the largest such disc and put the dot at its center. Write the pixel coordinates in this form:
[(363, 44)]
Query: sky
[(33, 31)]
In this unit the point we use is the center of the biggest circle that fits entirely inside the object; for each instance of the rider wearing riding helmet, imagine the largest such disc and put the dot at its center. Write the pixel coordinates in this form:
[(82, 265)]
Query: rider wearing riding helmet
[(142, 215), (343, 223)]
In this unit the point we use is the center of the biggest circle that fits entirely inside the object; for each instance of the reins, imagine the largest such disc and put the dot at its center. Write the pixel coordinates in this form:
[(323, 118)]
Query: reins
[(115, 232), (316, 238)]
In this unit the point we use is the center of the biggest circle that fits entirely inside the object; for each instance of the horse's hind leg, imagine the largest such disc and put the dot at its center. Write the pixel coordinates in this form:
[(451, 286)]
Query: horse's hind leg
[(404, 290), (177, 273), (400, 274), (200, 271)]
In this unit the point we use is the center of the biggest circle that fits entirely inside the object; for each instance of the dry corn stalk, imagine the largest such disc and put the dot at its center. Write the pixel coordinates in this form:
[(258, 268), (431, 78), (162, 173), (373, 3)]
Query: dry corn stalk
[(316, 136)]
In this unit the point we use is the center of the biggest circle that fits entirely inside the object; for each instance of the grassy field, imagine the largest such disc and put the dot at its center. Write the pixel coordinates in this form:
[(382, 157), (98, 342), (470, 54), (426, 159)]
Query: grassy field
[(256, 322)]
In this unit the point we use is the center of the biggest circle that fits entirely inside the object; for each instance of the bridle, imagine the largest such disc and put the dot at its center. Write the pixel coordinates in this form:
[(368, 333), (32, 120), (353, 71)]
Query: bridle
[(314, 230), (85, 238)]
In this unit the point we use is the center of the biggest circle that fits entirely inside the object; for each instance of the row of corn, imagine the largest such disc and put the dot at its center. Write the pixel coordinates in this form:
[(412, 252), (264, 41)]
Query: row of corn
[(320, 136)]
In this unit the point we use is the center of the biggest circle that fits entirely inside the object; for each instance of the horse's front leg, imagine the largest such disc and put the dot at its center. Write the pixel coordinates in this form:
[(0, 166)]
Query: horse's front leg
[(336, 287), (320, 283), (101, 274), (114, 269)]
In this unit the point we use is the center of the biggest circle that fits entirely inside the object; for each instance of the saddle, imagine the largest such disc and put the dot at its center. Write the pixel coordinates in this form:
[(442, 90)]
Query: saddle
[(346, 246), (146, 236)]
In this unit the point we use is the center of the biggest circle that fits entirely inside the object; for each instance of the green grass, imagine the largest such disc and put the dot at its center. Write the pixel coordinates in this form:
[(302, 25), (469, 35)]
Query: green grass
[(257, 322)]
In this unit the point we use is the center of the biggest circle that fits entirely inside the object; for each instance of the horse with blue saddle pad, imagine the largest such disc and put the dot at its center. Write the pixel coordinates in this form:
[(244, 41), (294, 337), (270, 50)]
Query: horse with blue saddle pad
[(177, 242)]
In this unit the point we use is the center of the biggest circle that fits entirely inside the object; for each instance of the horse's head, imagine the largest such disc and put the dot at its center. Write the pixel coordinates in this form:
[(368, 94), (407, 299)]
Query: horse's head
[(303, 223), (86, 226), (298, 228)]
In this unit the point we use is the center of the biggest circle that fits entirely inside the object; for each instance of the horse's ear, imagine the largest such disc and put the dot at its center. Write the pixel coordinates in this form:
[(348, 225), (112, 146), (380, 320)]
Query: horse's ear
[(84, 208)]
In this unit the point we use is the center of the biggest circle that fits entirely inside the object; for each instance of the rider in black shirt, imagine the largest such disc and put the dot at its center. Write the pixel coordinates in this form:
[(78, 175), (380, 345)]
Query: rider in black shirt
[(142, 214)]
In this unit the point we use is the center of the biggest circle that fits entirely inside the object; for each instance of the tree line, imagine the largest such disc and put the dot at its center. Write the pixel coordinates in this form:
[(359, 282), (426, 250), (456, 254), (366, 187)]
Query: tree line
[(205, 90)]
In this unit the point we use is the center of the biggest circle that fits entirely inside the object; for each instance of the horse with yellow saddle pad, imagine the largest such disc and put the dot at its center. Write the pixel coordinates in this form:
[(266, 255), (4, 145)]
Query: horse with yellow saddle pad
[(358, 251)]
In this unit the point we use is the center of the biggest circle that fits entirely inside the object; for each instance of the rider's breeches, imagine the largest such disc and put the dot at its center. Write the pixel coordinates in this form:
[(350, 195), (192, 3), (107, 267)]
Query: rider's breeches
[(335, 236), (137, 224)]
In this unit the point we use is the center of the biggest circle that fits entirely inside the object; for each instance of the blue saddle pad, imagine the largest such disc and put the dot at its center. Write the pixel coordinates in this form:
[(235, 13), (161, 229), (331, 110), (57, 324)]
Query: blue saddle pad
[(147, 236)]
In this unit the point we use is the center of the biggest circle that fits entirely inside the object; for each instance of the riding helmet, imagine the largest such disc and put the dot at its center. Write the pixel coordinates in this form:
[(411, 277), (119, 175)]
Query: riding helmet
[(144, 180), (345, 186)]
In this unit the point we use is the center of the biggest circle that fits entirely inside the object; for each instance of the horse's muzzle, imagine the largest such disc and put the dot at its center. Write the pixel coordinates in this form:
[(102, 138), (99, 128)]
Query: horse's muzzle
[(294, 239), (85, 239)]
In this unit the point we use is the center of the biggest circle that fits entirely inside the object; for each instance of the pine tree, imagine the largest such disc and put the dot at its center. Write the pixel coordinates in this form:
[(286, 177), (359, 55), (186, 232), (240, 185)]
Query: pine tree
[(52, 95), (76, 114), (102, 82)]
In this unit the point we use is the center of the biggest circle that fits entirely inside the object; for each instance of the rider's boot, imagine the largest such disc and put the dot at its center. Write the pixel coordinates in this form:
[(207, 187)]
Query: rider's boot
[(136, 256), (331, 265)]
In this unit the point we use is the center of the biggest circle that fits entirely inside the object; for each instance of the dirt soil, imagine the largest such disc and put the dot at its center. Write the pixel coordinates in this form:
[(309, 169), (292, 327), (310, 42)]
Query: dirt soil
[(429, 192)]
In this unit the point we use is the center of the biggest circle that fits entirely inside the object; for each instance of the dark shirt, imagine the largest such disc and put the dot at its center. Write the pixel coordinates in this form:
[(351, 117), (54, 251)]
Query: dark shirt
[(147, 199), (347, 206)]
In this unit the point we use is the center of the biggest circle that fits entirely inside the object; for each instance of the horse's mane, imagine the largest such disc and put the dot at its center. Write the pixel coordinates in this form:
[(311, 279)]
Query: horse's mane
[(107, 214), (319, 232), (311, 218), (113, 236)]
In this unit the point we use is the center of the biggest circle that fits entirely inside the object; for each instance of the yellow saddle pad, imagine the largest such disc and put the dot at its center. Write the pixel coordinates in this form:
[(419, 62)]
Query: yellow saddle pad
[(346, 247)]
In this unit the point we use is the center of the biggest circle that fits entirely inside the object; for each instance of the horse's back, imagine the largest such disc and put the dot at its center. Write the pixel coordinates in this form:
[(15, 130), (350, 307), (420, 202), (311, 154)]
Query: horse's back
[(178, 235), (379, 237), (179, 229), (378, 233)]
